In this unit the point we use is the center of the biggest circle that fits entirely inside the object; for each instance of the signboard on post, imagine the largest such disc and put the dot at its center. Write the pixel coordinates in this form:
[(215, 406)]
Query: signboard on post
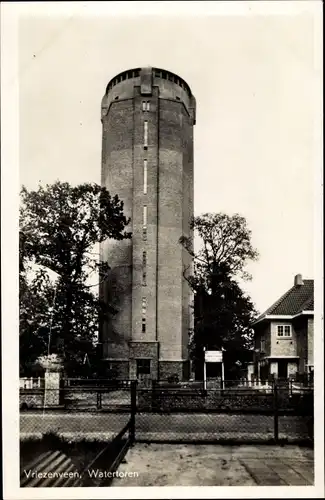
[(213, 356)]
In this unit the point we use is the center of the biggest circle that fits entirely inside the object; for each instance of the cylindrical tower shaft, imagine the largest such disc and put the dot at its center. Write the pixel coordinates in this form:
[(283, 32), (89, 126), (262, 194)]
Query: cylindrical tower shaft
[(147, 159)]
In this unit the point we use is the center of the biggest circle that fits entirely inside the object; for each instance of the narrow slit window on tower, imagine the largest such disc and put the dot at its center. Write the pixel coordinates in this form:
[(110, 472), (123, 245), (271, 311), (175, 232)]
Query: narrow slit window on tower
[(144, 224), (145, 105), (144, 268), (145, 176), (145, 134), (144, 312)]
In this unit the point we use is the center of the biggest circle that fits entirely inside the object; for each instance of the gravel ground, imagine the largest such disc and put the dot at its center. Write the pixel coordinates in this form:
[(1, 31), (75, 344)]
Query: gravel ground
[(215, 465)]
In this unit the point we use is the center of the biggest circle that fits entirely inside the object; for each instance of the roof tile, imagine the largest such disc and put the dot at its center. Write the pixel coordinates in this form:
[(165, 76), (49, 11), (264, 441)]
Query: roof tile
[(295, 300)]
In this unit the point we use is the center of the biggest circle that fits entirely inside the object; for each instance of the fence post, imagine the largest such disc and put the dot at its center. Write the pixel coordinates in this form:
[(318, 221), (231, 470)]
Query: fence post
[(276, 411), (99, 400), (153, 394), (133, 409)]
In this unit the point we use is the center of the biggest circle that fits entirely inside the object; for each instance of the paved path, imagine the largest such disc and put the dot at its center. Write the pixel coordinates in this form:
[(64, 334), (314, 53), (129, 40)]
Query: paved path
[(215, 465)]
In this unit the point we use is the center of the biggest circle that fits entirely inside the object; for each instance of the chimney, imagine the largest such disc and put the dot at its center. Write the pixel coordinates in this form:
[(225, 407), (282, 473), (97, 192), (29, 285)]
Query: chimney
[(298, 280)]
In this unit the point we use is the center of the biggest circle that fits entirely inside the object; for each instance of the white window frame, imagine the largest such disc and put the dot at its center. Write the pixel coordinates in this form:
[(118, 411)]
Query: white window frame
[(145, 216), (145, 176), (283, 336), (145, 133), (145, 105)]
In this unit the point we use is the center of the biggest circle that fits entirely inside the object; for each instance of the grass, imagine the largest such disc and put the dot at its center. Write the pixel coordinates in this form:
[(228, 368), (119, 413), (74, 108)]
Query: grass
[(81, 452), (85, 455)]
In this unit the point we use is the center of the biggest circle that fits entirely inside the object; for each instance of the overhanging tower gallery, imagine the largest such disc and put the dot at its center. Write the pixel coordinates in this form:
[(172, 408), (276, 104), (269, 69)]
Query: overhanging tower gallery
[(148, 116)]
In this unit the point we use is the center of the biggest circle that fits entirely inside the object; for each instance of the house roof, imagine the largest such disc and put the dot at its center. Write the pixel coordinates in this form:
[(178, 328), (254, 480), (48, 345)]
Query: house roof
[(295, 301)]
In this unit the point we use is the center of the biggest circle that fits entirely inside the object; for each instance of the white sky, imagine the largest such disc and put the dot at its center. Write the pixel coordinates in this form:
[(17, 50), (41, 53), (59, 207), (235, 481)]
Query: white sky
[(258, 142), (254, 78)]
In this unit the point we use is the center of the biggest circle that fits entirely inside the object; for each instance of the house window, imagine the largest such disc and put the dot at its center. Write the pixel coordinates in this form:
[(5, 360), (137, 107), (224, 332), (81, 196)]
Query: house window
[(145, 135), (145, 176), (262, 344), (284, 331), (143, 367), (144, 268)]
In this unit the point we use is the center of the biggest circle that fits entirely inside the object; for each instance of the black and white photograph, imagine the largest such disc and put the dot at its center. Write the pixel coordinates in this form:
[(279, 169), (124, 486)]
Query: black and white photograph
[(162, 249)]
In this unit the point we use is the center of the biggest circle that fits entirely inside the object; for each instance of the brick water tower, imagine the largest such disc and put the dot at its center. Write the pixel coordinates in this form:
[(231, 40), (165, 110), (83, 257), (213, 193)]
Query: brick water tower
[(148, 116)]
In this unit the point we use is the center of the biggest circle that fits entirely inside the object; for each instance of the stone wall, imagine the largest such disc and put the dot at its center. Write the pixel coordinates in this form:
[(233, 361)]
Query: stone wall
[(143, 350), (171, 368), (52, 388), (31, 398)]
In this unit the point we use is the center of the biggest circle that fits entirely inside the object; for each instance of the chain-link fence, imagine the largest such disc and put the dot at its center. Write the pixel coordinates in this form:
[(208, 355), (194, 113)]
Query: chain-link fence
[(98, 410), (228, 413), (83, 426)]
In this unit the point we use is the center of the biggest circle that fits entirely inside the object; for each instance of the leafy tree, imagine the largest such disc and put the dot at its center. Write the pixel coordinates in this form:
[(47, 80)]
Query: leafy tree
[(35, 297), (60, 226), (223, 313)]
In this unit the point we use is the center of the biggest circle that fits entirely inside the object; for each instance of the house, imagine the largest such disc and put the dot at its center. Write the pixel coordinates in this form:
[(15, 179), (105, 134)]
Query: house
[(284, 334)]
